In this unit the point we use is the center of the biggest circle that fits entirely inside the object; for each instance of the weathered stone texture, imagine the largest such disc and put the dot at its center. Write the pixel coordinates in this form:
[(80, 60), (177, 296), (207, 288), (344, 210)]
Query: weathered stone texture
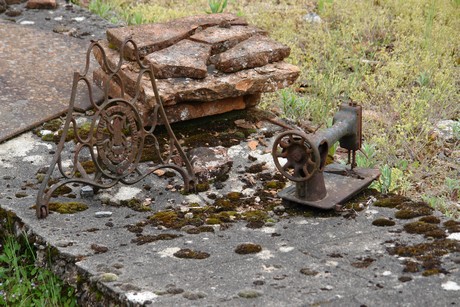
[(153, 37), (9, 2), (179, 112), (204, 65), (184, 59), (215, 86), (223, 38), (254, 52), (41, 4)]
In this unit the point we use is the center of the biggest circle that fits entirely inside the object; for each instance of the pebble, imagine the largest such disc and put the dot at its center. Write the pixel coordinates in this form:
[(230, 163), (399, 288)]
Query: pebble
[(103, 214), (188, 215), (86, 191), (108, 277)]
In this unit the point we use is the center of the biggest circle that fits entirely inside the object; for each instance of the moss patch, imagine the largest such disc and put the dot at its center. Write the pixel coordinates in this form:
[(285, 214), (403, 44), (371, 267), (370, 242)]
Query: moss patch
[(141, 240), (191, 254), (429, 230), (67, 208), (383, 222), (62, 190), (248, 248), (430, 219), (391, 201), (136, 205), (409, 210), (452, 226), (427, 254)]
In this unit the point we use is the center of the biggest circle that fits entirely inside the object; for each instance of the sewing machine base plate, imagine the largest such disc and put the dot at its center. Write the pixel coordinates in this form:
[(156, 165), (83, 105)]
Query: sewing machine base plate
[(341, 185)]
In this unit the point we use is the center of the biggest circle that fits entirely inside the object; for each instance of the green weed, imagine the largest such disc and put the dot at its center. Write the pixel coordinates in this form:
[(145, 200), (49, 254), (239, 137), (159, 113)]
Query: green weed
[(216, 6), (101, 8), (24, 284)]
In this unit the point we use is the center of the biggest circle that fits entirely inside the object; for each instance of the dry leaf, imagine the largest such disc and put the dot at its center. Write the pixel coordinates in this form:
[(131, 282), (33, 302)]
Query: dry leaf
[(159, 172), (253, 144), (241, 123)]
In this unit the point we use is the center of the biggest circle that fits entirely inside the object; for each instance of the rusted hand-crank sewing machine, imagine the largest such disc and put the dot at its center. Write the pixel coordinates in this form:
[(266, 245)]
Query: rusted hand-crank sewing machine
[(302, 159)]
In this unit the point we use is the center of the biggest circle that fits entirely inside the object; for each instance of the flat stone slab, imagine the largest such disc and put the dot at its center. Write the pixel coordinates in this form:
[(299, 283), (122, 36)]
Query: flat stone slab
[(41, 4), (183, 111), (223, 38), (185, 59), (36, 74), (157, 36), (256, 51), (305, 258), (214, 87)]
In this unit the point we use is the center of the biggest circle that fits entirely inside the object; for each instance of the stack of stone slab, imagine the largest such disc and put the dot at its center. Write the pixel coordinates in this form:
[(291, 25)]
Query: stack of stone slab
[(203, 65)]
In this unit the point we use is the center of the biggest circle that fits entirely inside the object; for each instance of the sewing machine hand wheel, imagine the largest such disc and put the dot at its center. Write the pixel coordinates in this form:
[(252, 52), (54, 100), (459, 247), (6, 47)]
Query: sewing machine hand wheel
[(303, 158)]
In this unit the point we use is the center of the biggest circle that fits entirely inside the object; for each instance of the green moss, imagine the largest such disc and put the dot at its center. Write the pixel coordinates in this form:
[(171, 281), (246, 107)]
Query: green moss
[(234, 196), (205, 228), (248, 248), (430, 219), (427, 254), (223, 204), (141, 240), (256, 215), (48, 137), (274, 185), (53, 125), (213, 221), (255, 168), (201, 187), (419, 227), (168, 219), (21, 194), (67, 208), (452, 226), (89, 166), (62, 190), (136, 205), (191, 254), (391, 201), (431, 272), (409, 210), (383, 222)]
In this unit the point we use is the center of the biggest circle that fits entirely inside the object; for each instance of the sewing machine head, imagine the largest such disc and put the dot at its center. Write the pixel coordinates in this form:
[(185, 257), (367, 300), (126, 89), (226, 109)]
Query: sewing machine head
[(302, 158)]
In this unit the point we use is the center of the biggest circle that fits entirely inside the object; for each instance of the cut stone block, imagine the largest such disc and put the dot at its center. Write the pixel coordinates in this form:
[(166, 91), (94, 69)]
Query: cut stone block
[(183, 111), (254, 52), (41, 4), (215, 86), (153, 37), (184, 59), (223, 38)]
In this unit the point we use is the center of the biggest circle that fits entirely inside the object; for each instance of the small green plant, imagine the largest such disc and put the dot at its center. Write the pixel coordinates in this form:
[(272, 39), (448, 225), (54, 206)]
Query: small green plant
[(101, 8), (385, 179), (322, 3), (453, 188), (216, 6), (24, 284), (423, 79), (366, 157)]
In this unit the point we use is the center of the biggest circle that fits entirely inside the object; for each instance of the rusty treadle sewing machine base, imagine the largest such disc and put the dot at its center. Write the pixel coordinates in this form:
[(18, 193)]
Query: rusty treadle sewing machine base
[(116, 137)]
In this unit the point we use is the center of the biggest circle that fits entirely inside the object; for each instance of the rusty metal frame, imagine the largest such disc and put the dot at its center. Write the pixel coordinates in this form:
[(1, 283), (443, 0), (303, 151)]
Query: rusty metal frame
[(116, 135)]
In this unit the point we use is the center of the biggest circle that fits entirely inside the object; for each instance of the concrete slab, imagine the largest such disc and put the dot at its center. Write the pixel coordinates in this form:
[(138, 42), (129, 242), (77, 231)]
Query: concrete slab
[(36, 74), (307, 258)]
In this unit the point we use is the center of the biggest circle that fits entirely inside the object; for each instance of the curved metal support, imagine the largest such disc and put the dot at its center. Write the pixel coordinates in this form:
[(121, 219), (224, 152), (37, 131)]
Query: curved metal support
[(116, 136)]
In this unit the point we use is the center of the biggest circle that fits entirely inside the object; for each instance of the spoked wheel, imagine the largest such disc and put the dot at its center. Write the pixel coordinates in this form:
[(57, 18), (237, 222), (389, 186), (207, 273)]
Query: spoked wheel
[(303, 159)]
